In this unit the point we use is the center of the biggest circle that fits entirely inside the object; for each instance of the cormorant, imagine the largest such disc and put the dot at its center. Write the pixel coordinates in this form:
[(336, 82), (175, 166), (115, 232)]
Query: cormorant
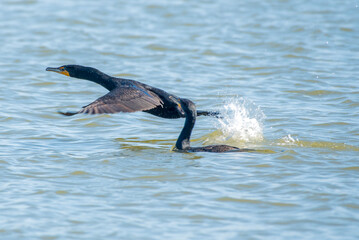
[(183, 141), (125, 95)]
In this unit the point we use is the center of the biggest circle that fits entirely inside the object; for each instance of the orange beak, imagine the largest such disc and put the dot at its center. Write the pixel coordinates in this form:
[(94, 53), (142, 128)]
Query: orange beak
[(60, 70)]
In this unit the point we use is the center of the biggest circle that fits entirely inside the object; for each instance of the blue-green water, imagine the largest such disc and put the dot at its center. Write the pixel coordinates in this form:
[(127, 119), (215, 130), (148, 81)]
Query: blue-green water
[(283, 73)]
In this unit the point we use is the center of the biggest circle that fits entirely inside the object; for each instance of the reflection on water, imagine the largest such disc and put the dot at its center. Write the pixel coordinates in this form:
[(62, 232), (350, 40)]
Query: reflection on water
[(283, 74)]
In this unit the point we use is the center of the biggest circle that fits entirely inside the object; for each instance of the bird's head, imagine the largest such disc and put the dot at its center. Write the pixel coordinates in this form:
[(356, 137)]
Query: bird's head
[(76, 71)]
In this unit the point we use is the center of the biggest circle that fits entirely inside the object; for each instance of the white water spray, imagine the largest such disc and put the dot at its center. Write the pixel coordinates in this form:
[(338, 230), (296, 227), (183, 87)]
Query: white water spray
[(289, 140), (242, 121)]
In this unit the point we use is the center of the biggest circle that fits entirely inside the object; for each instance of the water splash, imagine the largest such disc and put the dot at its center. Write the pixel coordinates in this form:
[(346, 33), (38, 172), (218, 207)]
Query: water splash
[(288, 140), (242, 121)]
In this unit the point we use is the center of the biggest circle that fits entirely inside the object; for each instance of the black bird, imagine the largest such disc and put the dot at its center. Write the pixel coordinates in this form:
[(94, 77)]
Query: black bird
[(125, 95), (183, 141)]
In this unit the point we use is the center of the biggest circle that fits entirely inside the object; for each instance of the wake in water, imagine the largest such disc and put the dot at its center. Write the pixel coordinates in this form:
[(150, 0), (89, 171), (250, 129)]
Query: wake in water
[(290, 141), (241, 122)]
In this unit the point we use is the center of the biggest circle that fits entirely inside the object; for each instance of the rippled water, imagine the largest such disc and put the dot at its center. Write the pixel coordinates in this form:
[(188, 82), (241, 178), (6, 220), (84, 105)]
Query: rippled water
[(283, 73)]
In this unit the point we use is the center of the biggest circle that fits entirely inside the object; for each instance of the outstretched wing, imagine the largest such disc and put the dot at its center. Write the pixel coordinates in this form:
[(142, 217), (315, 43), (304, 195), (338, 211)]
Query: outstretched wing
[(123, 99)]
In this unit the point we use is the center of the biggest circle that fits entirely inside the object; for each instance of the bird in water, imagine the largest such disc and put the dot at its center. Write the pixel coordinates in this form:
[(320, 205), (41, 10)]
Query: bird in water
[(183, 141), (125, 95)]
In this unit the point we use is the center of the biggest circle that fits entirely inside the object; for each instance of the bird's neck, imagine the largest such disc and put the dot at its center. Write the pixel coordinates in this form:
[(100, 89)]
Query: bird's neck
[(101, 78), (183, 141)]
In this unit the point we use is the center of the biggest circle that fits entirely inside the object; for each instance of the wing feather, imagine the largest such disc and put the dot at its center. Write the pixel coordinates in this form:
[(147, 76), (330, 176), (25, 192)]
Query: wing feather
[(123, 99), (128, 98)]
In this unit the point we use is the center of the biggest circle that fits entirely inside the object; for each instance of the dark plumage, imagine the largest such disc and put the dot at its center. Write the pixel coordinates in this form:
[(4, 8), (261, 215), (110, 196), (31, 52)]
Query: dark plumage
[(183, 141), (125, 95)]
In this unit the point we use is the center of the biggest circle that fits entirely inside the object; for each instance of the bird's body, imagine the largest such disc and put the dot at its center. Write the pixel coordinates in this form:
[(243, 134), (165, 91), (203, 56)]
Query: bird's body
[(125, 95), (218, 149), (183, 141)]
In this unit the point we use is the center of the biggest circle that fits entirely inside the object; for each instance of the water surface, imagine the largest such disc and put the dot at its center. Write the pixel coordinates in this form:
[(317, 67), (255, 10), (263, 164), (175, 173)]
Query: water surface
[(283, 73)]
